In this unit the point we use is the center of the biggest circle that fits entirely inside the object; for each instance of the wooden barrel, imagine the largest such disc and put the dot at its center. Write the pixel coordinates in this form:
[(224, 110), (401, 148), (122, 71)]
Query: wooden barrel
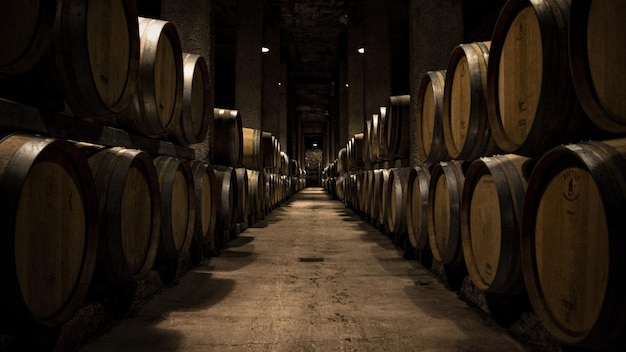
[(375, 139), (196, 104), (284, 163), (253, 152), (530, 97), (271, 150), (256, 193), (349, 189), (366, 191), (294, 170), (465, 123), (355, 184), (342, 160), (25, 31), (491, 214), (130, 211), (367, 136), (178, 206), (381, 135), (397, 188), (227, 202), (97, 50), (49, 238), (444, 208), (355, 152), (397, 124), (270, 191), (573, 243), (596, 59), (376, 194), (206, 205), (430, 143), (227, 149), (417, 207), (340, 187), (156, 107), (243, 209), (383, 205)]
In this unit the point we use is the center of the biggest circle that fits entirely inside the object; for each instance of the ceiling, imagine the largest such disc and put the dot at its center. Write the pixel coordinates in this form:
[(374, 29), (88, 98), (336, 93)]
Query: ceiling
[(312, 43)]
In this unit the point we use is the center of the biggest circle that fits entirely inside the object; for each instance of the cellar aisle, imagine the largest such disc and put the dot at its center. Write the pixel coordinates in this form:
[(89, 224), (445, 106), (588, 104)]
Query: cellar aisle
[(311, 277)]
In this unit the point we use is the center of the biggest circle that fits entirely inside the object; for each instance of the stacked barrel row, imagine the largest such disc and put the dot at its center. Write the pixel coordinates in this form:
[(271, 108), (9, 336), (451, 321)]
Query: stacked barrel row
[(499, 193), (253, 175), (81, 216)]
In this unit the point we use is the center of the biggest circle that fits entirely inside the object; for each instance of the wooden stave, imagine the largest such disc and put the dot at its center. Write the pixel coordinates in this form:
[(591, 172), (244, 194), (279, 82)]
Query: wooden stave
[(226, 196), (453, 173), (269, 147), (356, 152), (284, 163), (397, 122), (606, 162), (26, 150), (342, 160), (227, 124), (374, 140), (256, 192), (253, 149), (418, 230), (109, 168), (189, 129), (167, 167), (510, 184), (438, 152), (396, 217), (383, 206), (366, 191), (203, 233), (243, 209), (381, 135), (376, 191)]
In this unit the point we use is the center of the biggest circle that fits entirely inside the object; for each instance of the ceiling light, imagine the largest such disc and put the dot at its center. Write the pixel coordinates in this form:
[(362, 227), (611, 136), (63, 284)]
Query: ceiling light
[(265, 49), (361, 50), (347, 85)]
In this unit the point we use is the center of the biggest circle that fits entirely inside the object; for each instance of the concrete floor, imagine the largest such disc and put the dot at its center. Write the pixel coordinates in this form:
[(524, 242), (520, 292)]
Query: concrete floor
[(311, 277)]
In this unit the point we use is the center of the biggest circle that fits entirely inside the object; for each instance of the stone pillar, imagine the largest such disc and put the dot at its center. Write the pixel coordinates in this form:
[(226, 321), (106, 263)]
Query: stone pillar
[(357, 90), (194, 22), (249, 62), (287, 130), (436, 27), (275, 88), (377, 78), (344, 101)]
